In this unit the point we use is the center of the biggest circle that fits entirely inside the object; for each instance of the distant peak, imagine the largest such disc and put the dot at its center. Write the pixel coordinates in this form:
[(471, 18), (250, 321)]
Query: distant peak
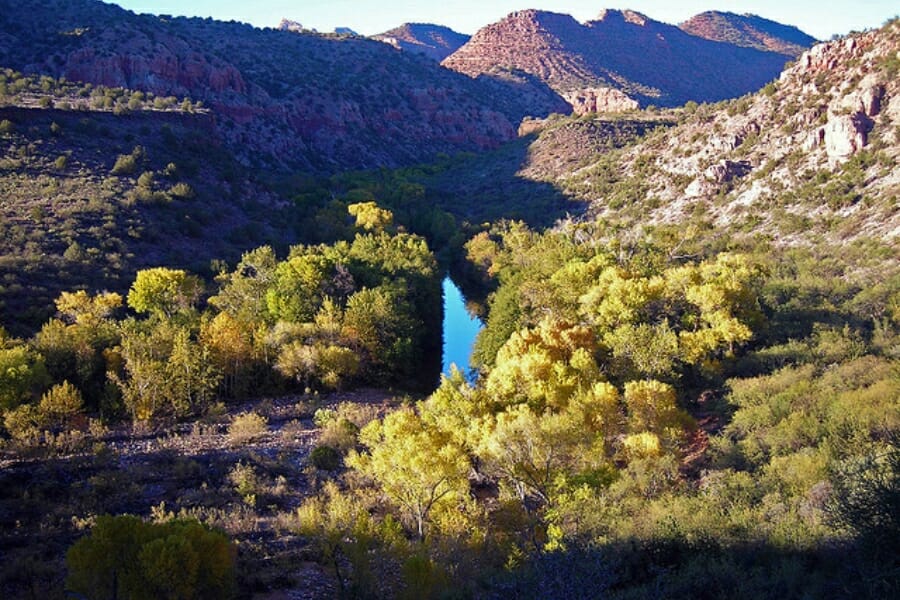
[(629, 16)]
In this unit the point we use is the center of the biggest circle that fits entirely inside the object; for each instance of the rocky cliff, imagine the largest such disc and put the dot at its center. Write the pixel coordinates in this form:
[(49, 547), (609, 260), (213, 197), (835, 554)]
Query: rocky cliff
[(649, 61)]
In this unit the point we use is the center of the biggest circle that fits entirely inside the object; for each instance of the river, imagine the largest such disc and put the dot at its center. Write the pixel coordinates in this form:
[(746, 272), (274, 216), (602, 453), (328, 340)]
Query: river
[(460, 329)]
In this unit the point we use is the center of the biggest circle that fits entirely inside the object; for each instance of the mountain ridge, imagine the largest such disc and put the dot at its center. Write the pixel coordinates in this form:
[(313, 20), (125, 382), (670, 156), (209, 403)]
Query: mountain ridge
[(649, 61)]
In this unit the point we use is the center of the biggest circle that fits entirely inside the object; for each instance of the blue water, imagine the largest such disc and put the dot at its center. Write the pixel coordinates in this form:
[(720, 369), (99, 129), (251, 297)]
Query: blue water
[(460, 329)]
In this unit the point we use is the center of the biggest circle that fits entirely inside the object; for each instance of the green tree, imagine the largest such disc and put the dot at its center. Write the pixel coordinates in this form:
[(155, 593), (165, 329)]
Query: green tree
[(191, 375), (242, 293), (299, 286), (125, 558), (23, 376), (379, 321)]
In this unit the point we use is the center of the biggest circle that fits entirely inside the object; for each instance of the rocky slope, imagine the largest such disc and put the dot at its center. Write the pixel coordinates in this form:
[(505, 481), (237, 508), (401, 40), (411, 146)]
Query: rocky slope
[(749, 31), (434, 41), (618, 59), (812, 158), (313, 102)]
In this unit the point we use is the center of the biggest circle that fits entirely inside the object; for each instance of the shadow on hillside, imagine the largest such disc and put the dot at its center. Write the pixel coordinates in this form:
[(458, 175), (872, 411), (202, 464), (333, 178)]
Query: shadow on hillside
[(487, 187)]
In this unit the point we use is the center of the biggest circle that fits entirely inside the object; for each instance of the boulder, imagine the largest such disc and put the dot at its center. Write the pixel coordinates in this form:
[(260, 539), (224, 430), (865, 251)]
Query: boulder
[(724, 171), (727, 170), (870, 99)]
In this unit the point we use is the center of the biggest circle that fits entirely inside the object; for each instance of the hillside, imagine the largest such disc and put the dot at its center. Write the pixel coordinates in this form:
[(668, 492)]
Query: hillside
[(812, 156), (621, 52), (434, 41), (91, 194), (749, 31), (318, 103)]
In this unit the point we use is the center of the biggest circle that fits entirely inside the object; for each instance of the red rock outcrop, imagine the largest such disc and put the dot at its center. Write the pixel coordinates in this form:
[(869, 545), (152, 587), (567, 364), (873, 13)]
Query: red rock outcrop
[(163, 74)]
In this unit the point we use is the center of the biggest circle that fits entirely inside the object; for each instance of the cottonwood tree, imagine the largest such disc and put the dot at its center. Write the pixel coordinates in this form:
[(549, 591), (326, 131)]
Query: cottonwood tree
[(419, 468)]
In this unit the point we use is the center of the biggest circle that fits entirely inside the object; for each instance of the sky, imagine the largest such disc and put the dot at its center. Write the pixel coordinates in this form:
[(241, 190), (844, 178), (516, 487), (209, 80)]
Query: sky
[(819, 18)]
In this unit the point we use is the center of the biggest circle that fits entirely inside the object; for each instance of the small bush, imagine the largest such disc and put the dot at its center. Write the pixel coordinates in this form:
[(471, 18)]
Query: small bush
[(182, 190), (23, 424), (146, 179), (245, 480), (325, 458), (125, 165), (247, 427)]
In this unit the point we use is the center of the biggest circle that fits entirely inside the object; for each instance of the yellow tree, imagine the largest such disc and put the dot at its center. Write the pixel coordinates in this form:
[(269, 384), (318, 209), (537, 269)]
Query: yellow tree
[(419, 468), (545, 365), (652, 407), (537, 452), (370, 217), (232, 349), (81, 308)]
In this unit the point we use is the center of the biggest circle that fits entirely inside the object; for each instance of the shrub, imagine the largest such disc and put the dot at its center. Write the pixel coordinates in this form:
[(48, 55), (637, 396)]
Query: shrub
[(247, 427), (325, 458), (245, 479), (60, 403), (146, 179), (23, 424), (124, 557), (182, 190), (125, 165)]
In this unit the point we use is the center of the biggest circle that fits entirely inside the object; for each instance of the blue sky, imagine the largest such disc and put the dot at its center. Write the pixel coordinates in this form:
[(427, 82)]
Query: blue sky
[(820, 18)]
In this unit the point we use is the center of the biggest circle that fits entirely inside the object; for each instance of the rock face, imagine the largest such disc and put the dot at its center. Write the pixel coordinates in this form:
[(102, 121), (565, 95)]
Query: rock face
[(282, 98), (850, 116), (600, 100), (845, 135), (173, 70), (749, 31), (649, 61), (434, 41)]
